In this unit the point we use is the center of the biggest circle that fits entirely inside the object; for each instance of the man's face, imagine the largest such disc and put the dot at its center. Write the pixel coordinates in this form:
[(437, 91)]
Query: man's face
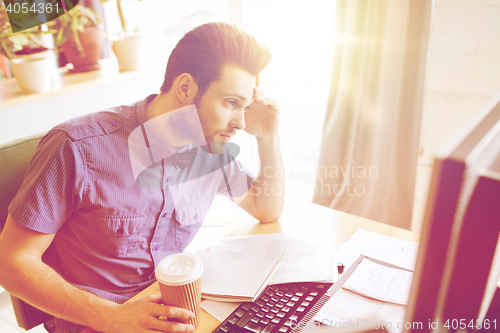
[(222, 107)]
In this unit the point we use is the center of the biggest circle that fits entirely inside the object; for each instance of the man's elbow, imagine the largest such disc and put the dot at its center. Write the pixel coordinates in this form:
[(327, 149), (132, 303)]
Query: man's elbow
[(269, 217)]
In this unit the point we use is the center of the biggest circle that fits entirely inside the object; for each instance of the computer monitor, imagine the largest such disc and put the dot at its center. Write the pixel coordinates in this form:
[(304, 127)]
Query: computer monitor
[(457, 270)]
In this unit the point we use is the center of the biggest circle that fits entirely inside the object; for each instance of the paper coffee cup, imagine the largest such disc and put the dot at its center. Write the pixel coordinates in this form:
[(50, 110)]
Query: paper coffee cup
[(179, 277)]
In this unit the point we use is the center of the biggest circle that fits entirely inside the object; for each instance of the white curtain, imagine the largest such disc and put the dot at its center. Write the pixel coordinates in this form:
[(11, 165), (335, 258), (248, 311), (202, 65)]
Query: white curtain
[(371, 132)]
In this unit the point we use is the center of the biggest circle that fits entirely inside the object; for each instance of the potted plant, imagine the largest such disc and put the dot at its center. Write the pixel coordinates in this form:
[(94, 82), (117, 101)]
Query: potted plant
[(30, 60), (127, 48), (79, 36)]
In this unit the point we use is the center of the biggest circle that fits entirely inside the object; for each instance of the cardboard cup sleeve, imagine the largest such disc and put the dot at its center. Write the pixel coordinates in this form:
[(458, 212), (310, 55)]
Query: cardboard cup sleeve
[(179, 277)]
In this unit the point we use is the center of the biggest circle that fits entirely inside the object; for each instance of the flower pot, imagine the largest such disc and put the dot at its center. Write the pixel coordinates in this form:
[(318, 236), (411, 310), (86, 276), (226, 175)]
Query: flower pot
[(128, 52), (33, 73), (91, 40)]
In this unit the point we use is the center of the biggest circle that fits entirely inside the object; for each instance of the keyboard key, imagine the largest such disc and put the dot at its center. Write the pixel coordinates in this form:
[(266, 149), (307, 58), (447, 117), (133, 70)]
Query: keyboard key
[(290, 304), (245, 319), (280, 304), (300, 294), (288, 323), (266, 308), (275, 299), (265, 298), (260, 303), (286, 309), (246, 306), (224, 328), (275, 320), (261, 314), (293, 318), (255, 308), (270, 315), (280, 314), (273, 288), (284, 300), (293, 290), (285, 289), (309, 298), (305, 303), (280, 293), (253, 327), (271, 304), (270, 293), (289, 294), (233, 319), (295, 298), (240, 313), (314, 293), (255, 319), (264, 321), (275, 310), (283, 329), (269, 328), (301, 309), (320, 286)]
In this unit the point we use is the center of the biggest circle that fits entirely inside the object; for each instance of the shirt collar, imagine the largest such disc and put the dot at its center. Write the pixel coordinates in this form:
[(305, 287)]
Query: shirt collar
[(140, 111), (165, 145)]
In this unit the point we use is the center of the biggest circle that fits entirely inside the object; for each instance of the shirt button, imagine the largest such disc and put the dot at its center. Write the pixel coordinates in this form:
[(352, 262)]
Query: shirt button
[(195, 216), (169, 179), (115, 123), (157, 247), (119, 231), (165, 215)]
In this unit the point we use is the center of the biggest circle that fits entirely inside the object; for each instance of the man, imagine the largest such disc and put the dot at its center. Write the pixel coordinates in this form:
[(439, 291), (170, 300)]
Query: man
[(82, 236)]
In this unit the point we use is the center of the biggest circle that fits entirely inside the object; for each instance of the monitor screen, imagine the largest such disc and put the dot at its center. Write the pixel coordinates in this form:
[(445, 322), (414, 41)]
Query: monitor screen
[(456, 272)]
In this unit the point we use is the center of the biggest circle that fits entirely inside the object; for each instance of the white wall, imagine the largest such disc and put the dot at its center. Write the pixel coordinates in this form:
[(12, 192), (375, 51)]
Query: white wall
[(35, 113), (463, 73)]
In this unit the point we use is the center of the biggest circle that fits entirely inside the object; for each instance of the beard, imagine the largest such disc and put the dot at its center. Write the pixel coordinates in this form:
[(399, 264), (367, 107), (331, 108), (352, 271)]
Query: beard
[(216, 147)]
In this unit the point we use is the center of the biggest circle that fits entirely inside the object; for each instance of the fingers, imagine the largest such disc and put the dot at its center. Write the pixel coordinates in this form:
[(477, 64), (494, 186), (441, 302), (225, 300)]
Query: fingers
[(260, 97), (154, 299), (258, 94), (171, 312), (171, 326)]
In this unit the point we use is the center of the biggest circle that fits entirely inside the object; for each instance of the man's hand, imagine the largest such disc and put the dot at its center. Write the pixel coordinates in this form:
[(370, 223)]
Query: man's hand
[(262, 116), (143, 316)]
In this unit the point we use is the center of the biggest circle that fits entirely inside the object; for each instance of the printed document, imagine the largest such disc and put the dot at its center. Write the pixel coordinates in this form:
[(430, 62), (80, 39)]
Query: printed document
[(300, 260), (395, 251), (380, 282)]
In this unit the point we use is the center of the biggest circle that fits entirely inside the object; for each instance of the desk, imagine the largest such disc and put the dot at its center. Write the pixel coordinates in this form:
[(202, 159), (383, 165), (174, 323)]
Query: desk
[(300, 219)]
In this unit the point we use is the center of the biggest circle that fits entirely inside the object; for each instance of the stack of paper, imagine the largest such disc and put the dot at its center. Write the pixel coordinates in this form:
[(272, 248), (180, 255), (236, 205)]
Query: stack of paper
[(301, 260), (370, 292), (395, 251), (230, 279)]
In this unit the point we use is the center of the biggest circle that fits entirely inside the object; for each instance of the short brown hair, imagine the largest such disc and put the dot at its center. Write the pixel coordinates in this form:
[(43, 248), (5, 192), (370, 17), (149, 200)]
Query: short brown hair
[(204, 51)]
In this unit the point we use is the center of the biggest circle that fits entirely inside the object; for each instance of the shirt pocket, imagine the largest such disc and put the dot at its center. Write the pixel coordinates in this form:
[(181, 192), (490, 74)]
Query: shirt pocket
[(121, 233), (189, 219)]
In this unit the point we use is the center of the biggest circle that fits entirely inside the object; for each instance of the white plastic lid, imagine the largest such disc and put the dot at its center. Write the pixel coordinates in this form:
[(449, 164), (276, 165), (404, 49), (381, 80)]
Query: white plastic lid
[(178, 269)]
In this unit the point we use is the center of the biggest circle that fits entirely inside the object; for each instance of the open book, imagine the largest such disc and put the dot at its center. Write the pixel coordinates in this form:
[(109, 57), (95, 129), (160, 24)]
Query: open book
[(232, 279)]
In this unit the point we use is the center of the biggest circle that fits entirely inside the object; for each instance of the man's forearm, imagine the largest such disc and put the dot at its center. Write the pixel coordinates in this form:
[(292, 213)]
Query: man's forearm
[(269, 187), (41, 286)]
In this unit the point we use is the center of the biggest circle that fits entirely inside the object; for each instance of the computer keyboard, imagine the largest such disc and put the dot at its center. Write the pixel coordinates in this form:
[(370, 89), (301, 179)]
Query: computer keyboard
[(281, 308)]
